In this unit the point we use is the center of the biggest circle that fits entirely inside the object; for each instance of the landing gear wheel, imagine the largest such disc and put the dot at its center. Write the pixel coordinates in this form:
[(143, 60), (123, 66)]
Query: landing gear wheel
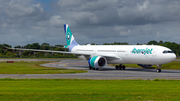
[(158, 70), (90, 67), (93, 68), (120, 67), (123, 67), (116, 67), (97, 68)]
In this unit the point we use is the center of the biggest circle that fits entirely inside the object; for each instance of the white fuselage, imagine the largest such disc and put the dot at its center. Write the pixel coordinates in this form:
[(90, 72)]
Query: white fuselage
[(124, 54)]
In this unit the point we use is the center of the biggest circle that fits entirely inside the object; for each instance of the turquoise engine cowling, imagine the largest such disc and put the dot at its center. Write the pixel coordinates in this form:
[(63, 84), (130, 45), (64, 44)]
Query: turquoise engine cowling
[(97, 61)]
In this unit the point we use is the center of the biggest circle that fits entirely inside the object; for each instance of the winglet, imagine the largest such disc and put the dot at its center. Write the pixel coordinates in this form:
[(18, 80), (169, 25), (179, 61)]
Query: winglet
[(7, 47)]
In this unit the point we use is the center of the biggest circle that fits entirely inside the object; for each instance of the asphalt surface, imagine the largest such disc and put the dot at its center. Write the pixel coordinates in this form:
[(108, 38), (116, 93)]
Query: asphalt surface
[(107, 72)]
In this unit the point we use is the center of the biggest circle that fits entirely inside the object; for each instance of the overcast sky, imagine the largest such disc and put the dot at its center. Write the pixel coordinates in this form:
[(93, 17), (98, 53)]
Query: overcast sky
[(91, 21)]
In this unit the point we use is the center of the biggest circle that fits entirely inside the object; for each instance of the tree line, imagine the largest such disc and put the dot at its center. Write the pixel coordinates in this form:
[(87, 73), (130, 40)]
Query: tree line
[(5, 53)]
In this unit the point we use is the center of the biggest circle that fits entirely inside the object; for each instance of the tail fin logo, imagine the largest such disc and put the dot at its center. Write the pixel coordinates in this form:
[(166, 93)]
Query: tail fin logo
[(68, 37)]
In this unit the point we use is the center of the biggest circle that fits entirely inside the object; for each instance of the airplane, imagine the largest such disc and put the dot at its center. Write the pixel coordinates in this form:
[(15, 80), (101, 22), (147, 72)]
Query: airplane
[(100, 55)]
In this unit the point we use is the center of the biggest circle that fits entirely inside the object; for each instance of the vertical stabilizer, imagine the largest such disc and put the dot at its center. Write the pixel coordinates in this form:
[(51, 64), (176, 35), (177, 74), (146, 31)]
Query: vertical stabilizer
[(71, 42)]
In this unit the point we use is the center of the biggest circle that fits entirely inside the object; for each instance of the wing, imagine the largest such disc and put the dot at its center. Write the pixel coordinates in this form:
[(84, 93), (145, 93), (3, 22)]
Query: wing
[(58, 47), (51, 51)]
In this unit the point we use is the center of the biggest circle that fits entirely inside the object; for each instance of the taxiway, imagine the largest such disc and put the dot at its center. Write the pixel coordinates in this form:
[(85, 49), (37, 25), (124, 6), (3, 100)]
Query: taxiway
[(107, 72)]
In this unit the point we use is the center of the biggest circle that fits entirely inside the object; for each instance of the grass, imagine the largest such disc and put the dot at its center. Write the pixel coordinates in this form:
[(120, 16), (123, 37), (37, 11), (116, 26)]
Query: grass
[(175, 65), (89, 90), (32, 68)]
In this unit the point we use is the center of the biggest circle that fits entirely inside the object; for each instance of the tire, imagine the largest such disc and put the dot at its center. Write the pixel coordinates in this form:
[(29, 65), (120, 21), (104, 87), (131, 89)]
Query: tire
[(90, 68), (120, 67), (158, 70), (116, 67), (124, 67)]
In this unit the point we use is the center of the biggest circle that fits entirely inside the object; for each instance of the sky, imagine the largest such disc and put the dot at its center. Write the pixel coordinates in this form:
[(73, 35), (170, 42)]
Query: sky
[(25, 22)]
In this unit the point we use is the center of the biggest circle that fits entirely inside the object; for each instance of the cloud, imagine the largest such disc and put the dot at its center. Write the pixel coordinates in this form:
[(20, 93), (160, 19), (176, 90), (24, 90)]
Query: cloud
[(56, 21), (144, 6), (91, 21)]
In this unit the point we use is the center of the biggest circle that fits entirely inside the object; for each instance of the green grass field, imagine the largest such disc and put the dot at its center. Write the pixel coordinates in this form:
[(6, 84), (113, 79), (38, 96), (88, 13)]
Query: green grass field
[(88, 90), (35, 68), (32, 68), (175, 65)]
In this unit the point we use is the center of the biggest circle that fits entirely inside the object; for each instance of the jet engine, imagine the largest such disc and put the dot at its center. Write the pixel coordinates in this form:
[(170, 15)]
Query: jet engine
[(97, 61), (144, 65)]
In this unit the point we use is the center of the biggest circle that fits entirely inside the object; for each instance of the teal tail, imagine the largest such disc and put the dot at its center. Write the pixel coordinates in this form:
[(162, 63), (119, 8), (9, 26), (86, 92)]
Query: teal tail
[(71, 42)]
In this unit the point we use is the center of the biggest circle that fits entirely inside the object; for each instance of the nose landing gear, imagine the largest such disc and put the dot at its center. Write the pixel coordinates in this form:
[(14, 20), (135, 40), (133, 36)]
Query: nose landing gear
[(158, 68)]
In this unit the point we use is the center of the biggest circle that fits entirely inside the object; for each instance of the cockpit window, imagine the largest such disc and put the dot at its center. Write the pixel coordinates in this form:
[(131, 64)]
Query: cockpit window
[(168, 51)]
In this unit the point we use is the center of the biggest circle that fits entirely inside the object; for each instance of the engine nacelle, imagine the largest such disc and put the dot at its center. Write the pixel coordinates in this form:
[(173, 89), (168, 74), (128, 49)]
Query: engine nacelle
[(97, 61), (144, 65)]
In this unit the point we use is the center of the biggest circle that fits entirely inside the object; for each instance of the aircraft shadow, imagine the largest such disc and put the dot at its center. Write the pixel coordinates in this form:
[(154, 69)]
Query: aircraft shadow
[(134, 69), (142, 70)]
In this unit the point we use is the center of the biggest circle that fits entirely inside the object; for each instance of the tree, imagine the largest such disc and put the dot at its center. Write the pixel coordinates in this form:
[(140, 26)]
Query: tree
[(173, 46), (18, 46), (6, 45), (160, 42), (27, 46), (35, 46), (9, 54), (152, 42), (2, 50), (45, 46), (59, 49), (59, 45), (117, 43), (26, 53), (32, 46)]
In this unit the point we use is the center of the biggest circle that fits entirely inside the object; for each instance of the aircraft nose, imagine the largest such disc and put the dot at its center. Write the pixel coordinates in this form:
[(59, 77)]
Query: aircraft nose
[(173, 57), (167, 58)]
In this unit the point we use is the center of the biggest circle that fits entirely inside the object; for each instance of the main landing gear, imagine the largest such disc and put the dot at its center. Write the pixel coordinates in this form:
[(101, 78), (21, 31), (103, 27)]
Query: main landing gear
[(91, 68), (120, 67), (158, 68)]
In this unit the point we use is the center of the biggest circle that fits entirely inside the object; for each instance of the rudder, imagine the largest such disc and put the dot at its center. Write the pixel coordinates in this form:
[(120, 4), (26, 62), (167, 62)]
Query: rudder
[(71, 42)]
